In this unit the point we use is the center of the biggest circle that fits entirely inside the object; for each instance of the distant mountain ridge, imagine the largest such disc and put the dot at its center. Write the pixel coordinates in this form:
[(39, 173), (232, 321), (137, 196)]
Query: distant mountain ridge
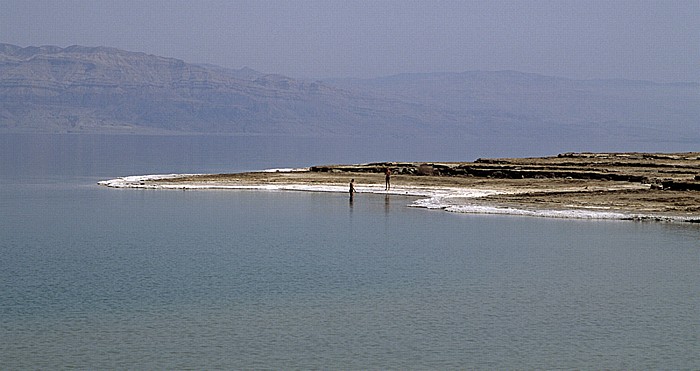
[(107, 90), (529, 106), (98, 89)]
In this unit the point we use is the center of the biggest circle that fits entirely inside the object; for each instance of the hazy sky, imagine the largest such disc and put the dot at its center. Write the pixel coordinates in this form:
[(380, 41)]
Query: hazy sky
[(648, 40)]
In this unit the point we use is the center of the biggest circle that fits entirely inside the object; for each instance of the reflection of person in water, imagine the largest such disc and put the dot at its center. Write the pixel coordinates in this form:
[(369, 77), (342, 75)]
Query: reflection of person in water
[(387, 178)]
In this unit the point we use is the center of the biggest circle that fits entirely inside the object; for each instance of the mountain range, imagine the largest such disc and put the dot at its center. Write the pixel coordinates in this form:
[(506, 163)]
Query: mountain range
[(105, 90)]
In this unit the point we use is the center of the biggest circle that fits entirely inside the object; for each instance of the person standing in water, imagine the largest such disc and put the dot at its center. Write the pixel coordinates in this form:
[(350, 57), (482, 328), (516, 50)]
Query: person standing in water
[(352, 188), (387, 178)]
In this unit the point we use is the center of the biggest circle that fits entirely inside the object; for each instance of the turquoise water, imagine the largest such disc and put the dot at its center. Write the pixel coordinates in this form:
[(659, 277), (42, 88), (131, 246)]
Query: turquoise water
[(100, 278)]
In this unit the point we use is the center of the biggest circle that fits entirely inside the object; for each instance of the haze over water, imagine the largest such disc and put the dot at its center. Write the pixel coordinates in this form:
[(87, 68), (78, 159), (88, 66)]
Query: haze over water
[(590, 39), (105, 278)]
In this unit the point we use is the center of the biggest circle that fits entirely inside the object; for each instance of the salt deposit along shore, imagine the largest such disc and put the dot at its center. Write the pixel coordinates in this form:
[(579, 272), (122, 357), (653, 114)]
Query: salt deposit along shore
[(622, 186)]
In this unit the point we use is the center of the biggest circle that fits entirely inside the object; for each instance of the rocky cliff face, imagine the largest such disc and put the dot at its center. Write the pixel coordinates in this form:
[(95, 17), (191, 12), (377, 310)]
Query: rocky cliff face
[(104, 89), (98, 89)]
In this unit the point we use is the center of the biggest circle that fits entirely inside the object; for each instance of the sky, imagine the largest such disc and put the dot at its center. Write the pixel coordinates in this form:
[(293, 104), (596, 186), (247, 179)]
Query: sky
[(640, 40)]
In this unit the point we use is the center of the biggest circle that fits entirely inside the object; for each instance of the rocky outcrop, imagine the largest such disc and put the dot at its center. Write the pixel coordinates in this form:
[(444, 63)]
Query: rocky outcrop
[(679, 185)]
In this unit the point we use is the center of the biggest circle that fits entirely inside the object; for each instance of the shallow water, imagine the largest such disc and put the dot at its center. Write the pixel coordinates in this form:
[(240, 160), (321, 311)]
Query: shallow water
[(93, 277)]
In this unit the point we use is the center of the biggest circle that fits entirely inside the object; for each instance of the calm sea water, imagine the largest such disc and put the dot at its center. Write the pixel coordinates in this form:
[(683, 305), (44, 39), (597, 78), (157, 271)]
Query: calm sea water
[(102, 278)]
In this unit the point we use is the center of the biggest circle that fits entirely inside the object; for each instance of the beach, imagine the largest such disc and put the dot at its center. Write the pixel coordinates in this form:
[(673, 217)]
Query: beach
[(624, 186)]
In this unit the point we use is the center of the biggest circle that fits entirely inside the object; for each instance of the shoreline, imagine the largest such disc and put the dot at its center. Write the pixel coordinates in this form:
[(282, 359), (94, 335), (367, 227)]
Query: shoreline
[(638, 187), (456, 200)]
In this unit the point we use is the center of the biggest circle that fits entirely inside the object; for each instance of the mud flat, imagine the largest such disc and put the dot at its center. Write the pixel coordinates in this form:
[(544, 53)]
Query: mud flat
[(634, 186)]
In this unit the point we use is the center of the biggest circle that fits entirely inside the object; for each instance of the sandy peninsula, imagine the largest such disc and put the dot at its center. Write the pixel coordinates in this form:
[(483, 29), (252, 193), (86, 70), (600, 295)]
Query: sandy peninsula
[(626, 186)]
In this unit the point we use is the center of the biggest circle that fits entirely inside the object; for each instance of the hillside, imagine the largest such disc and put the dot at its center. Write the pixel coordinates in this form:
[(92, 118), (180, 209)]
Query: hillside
[(104, 90), (80, 89), (531, 106)]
